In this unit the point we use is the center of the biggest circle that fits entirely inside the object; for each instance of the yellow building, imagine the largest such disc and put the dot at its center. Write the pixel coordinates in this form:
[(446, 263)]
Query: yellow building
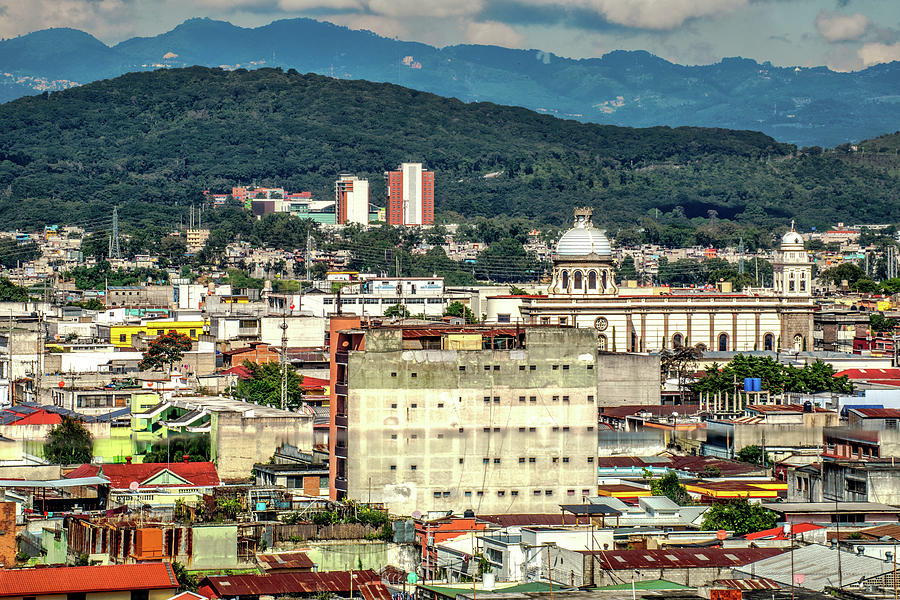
[(120, 335)]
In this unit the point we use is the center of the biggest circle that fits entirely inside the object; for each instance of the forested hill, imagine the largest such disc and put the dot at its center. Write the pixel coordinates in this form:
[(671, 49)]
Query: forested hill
[(148, 141)]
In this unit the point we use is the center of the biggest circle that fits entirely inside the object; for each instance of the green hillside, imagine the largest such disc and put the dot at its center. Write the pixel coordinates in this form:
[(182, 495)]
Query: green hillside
[(149, 142)]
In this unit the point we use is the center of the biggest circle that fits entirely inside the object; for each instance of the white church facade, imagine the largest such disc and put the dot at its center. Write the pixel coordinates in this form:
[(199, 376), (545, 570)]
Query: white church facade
[(583, 293)]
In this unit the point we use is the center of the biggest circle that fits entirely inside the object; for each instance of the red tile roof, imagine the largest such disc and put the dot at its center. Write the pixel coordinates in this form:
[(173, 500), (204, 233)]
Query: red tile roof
[(777, 533), (120, 476), (868, 374), (40, 417), (314, 382), (85, 470), (187, 596), (240, 370), (286, 583), (680, 558), (73, 580)]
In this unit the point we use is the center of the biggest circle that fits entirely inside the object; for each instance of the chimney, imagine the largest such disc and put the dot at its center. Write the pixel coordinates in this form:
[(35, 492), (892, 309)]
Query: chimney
[(186, 458)]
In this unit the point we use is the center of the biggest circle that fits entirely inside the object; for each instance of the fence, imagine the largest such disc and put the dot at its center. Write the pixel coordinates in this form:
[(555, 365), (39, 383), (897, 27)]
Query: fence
[(309, 531)]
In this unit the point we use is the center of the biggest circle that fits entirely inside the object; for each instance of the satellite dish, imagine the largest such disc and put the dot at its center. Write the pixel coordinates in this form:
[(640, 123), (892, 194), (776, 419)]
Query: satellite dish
[(412, 578), (416, 514), (133, 486)]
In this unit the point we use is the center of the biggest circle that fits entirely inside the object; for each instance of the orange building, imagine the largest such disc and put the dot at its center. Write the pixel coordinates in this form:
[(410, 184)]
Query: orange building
[(410, 195)]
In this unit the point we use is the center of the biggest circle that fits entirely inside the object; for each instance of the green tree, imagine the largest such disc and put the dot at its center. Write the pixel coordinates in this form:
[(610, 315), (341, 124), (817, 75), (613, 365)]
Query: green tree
[(460, 310), (738, 516), (670, 486), (69, 443), (627, 271), (753, 454), (186, 579), (264, 385), (517, 291), (195, 446), (843, 272), (10, 292), (396, 311), (878, 322), (164, 351), (776, 377)]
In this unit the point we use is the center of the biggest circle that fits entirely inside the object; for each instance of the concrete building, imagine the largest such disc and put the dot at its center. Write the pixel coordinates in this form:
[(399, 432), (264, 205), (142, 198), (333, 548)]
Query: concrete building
[(410, 194), (351, 198), (583, 293), (476, 418), (135, 296)]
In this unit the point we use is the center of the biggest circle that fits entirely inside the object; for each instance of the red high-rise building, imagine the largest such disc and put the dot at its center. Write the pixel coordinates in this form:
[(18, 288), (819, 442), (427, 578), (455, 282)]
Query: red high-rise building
[(410, 195)]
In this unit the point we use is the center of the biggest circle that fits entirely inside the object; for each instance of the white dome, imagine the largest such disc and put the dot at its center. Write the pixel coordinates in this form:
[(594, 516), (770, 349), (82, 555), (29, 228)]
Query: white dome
[(582, 241), (792, 238)]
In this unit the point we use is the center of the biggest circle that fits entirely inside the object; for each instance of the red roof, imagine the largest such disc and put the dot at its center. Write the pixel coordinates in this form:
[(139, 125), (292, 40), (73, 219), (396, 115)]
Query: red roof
[(85, 470), (680, 558), (74, 580), (287, 583), (285, 560), (777, 533), (39, 417), (876, 413), (240, 370), (314, 382), (120, 476), (870, 373), (783, 408), (187, 596)]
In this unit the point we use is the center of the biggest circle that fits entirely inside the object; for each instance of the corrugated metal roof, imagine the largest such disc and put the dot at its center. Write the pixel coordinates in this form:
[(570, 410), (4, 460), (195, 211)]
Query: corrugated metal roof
[(748, 584), (875, 413), (286, 583), (815, 567), (285, 560), (671, 558), (73, 580)]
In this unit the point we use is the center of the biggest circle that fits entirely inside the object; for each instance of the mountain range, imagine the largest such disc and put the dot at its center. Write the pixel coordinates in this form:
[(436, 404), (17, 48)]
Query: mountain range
[(803, 106)]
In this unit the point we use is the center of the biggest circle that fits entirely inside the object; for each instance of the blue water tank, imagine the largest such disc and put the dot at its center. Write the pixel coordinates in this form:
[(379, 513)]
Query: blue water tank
[(757, 384), (748, 384)]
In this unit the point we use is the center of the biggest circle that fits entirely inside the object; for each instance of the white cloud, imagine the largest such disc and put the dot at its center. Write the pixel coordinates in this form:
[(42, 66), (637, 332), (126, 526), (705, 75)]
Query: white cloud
[(841, 28), (661, 15), (99, 17), (492, 32), (875, 53)]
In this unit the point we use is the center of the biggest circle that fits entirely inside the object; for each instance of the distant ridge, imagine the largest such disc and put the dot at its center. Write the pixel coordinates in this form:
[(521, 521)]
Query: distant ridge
[(809, 106)]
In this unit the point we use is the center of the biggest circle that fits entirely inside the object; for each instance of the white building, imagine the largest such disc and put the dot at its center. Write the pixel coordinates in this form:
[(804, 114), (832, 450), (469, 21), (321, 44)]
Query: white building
[(351, 196)]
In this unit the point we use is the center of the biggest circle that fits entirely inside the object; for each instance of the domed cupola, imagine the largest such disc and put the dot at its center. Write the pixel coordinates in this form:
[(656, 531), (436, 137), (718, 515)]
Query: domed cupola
[(583, 263), (792, 270)]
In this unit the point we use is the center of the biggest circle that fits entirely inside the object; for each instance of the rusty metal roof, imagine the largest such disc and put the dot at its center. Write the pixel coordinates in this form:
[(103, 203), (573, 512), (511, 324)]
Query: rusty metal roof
[(287, 583), (680, 558), (285, 560)]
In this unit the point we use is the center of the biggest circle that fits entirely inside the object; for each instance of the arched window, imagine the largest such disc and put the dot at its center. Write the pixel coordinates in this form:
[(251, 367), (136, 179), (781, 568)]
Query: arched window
[(768, 342), (592, 280), (565, 281), (601, 342), (578, 278), (603, 279), (677, 340), (798, 343), (791, 282), (723, 342), (802, 282)]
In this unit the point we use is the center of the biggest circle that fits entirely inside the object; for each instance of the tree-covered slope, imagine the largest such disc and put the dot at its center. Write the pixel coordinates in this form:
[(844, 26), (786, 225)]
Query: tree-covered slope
[(148, 141)]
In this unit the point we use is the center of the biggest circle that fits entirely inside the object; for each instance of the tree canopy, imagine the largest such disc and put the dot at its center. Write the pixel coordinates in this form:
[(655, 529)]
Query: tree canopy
[(165, 351), (738, 516), (175, 447), (264, 385), (776, 377), (69, 443)]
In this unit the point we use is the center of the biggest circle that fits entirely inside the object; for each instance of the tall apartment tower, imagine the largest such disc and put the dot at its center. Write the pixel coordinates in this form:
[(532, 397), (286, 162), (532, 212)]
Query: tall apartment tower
[(410, 195), (351, 198)]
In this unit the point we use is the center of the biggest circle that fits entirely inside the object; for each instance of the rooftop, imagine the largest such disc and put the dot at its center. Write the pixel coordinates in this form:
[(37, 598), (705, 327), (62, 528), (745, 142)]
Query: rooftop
[(680, 558), (829, 507), (75, 580)]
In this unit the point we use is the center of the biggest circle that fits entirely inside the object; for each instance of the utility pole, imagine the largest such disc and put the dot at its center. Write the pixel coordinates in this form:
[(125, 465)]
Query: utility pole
[(306, 260), (283, 361), (741, 256), (9, 351), (38, 371), (114, 251)]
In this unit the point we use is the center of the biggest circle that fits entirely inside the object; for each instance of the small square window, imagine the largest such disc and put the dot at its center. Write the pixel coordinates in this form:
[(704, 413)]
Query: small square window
[(590, 367), (496, 367), (413, 375), (537, 492), (393, 467), (585, 492), (487, 398), (532, 398), (440, 436), (486, 429), (521, 398), (570, 492), (556, 398), (467, 494), (437, 494), (522, 429), (487, 367), (556, 429), (496, 461), (521, 459), (440, 405), (496, 429), (393, 436), (501, 493), (460, 461), (394, 405), (485, 461), (565, 367), (462, 368), (412, 467), (414, 406), (462, 429), (394, 374), (555, 459), (590, 428), (415, 436), (480, 493), (532, 429), (590, 459), (446, 494), (565, 459), (556, 367), (548, 492), (532, 459), (514, 493), (590, 398), (532, 368), (565, 428), (565, 398), (496, 399), (521, 367)]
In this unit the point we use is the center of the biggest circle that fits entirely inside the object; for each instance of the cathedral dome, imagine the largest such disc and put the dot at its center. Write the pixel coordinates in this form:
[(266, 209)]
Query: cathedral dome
[(583, 242), (583, 239), (791, 238)]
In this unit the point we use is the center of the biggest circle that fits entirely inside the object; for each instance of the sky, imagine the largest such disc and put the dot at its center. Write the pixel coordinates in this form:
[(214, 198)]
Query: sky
[(841, 34)]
